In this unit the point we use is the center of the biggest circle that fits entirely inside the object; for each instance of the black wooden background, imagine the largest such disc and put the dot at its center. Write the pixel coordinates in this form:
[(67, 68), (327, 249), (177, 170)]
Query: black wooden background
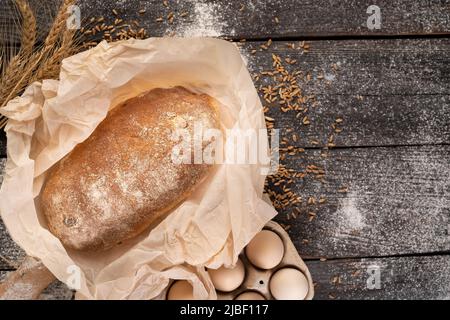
[(387, 177)]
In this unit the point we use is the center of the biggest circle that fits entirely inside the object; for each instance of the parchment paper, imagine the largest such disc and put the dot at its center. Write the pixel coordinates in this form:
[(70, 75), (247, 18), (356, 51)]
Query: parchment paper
[(208, 229)]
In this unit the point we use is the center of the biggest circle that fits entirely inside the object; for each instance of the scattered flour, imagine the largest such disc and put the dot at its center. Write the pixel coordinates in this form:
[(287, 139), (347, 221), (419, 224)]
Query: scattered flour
[(22, 290), (350, 217), (207, 21), (98, 195)]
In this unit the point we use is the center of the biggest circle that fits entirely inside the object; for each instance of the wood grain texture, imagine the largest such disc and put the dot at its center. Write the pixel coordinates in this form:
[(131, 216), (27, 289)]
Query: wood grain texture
[(257, 19), (278, 19), (408, 278), (401, 278), (398, 202), (11, 255), (388, 92)]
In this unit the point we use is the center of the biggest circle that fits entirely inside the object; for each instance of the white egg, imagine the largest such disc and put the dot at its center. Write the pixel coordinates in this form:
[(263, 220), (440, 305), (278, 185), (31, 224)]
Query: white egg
[(227, 279), (250, 295), (288, 284), (266, 250), (181, 290)]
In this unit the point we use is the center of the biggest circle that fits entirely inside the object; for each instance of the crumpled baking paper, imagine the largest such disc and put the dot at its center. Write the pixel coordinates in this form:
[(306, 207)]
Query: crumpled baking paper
[(209, 229)]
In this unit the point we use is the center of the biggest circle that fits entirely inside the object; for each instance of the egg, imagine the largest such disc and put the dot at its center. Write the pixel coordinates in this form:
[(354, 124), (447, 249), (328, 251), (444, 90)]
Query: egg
[(265, 250), (288, 284), (181, 290), (227, 279), (250, 295)]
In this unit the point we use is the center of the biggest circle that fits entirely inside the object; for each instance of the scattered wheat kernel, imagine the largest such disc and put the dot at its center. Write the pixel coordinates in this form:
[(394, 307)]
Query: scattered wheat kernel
[(305, 120), (343, 189)]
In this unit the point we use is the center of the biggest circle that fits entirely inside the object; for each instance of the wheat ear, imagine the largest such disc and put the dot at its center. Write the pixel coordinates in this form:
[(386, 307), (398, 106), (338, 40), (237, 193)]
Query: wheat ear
[(12, 72)]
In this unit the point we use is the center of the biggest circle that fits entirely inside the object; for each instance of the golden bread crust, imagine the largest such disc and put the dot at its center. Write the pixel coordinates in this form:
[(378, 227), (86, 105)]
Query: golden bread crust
[(117, 182)]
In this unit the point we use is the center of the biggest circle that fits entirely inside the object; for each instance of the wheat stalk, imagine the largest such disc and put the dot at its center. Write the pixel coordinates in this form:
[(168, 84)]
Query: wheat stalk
[(3, 122), (59, 24), (51, 66), (11, 73), (40, 64), (28, 27)]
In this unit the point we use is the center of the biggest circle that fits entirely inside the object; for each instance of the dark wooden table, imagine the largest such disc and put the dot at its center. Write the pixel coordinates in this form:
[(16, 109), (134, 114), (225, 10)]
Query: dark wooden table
[(386, 175)]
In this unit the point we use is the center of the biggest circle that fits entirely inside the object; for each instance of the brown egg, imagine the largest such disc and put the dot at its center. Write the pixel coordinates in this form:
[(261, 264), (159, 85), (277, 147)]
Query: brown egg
[(227, 279), (265, 250), (288, 284), (250, 295), (181, 290)]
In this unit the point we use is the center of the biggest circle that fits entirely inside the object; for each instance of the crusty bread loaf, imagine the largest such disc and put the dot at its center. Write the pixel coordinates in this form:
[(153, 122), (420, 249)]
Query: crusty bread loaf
[(122, 178)]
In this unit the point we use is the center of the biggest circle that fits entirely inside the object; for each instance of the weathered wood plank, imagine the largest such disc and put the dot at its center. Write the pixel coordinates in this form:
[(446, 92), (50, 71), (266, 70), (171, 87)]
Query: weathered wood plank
[(410, 278), (400, 278), (398, 202), (10, 253), (278, 19), (388, 92), (378, 202), (363, 67), (56, 291)]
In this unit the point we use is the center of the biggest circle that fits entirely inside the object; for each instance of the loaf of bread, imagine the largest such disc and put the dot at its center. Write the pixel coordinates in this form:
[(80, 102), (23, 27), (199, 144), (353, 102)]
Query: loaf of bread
[(120, 180)]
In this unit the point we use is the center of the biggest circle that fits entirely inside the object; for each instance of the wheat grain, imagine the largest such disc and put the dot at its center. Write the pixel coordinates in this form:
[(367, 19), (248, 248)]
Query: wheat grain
[(51, 66), (43, 63), (58, 25), (11, 72), (28, 27), (3, 121)]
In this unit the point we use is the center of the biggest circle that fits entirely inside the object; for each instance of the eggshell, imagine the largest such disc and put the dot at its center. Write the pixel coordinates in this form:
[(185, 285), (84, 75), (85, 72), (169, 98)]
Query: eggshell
[(250, 295), (228, 279), (181, 290), (288, 284), (265, 250)]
